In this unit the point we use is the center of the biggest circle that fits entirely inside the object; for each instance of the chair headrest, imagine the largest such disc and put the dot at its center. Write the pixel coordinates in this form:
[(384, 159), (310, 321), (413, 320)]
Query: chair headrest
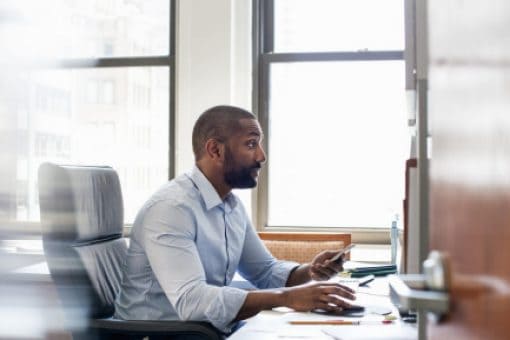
[(80, 203)]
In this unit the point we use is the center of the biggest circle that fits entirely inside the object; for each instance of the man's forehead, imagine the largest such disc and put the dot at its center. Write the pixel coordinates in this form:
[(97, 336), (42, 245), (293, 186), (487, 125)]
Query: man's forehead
[(250, 127)]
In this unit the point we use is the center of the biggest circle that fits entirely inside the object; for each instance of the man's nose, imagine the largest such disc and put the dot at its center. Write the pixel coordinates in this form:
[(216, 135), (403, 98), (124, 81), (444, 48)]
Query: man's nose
[(261, 155)]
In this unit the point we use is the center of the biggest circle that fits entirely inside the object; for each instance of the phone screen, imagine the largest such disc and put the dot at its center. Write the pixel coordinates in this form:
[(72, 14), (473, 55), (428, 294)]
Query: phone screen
[(342, 251)]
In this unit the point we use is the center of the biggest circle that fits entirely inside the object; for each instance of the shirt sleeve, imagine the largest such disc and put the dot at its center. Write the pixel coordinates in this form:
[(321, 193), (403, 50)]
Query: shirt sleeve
[(168, 235), (258, 266)]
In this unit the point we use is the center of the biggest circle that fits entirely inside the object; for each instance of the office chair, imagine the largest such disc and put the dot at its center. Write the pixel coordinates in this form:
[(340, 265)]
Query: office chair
[(82, 219)]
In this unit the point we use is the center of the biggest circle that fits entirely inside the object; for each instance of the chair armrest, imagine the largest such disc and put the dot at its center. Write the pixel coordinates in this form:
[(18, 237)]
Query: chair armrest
[(153, 328)]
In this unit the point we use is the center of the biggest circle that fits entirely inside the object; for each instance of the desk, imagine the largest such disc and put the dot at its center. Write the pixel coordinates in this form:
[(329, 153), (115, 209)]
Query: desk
[(29, 307), (34, 273), (274, 324)]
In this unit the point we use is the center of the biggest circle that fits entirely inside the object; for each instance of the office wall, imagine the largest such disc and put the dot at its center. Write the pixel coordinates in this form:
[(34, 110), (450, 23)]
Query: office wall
[(213, 45)]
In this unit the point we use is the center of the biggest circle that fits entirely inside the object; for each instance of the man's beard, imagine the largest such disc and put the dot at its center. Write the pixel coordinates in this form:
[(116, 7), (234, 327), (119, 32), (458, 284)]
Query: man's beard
[(238, 176)]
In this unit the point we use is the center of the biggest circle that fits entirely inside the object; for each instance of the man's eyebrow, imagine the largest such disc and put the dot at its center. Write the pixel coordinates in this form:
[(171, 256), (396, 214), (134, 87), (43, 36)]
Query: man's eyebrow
[(256, 134)]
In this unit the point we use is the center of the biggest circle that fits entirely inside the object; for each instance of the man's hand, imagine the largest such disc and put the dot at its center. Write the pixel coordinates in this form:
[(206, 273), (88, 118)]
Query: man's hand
[(324, 296), (322, 268), (321, 295)]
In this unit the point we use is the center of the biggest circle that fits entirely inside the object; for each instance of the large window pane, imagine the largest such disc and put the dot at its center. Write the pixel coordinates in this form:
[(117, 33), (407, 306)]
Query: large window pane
[(105, 116), (338, 25), (338, 143), (94, 28)]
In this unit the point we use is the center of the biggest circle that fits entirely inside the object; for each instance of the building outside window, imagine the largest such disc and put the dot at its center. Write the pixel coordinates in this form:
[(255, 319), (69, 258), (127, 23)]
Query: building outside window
[(74, 104)]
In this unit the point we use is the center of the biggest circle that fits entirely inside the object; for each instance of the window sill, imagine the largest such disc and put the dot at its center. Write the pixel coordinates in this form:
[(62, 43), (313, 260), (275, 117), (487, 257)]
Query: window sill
[(369, 236)]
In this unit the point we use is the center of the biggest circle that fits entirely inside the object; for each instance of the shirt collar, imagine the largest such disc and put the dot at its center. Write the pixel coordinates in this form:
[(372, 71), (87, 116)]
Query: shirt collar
[(207, 191)]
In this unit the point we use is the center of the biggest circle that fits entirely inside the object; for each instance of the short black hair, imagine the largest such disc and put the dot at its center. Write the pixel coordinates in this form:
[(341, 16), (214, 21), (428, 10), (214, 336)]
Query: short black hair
[(218, 122)]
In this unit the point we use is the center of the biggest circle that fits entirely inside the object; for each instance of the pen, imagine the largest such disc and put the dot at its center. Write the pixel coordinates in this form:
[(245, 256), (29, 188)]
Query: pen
[(338, 322)]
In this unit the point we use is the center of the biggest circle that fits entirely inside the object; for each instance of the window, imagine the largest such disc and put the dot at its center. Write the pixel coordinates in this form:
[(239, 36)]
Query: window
[(76, 103), (331, 99)]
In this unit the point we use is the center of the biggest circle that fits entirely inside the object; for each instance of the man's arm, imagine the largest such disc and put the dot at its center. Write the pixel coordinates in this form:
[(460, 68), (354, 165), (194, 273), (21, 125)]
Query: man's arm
[(258, 300), (303, 297), (300, 298), (299, 275), (259, 267), (320, 269), (168, 240)]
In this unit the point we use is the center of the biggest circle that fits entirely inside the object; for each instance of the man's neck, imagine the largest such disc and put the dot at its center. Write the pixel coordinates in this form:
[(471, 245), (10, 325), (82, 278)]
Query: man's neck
[(217, 181)]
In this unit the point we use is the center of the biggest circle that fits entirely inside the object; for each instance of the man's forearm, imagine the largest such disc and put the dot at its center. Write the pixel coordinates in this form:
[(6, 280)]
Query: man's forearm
[(328, 296), (257, 301), (299, 275)]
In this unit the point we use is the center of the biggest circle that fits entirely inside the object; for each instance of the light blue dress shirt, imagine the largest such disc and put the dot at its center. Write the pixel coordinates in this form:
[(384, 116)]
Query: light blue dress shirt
[(186, 244)]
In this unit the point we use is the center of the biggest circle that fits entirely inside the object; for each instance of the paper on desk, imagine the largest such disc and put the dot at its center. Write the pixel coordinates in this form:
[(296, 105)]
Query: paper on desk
[(379, 286), (346, 281), (300, 316), (370, 332), (267, 322), (293, 332), (315, 331)]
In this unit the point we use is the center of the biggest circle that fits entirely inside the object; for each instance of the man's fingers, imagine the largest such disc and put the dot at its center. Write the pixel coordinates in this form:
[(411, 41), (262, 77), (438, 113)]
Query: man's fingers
[(339, 290), (319, 277), (332, 286), (333, 303), (328, 271), (335, 300), (332, 308), (323, 271), (335, 266)]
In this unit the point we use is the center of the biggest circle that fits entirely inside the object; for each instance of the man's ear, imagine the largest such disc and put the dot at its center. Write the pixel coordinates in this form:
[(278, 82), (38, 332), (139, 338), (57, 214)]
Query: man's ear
[(214, 149)]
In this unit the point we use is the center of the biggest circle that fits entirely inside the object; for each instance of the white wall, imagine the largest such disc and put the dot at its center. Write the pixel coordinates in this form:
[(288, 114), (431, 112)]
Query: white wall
[(213, 63)]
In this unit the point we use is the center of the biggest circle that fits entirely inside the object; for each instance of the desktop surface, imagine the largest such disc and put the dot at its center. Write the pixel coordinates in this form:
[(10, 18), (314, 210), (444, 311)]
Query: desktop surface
[(275, 324)]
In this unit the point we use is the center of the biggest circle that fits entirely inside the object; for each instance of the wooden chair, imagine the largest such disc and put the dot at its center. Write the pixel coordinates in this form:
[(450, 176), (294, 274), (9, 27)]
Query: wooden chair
[(302, 247)]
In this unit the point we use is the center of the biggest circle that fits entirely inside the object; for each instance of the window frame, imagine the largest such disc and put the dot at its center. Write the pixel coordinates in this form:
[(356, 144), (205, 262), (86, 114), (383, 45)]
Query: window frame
[(263, 56), (29, 230)]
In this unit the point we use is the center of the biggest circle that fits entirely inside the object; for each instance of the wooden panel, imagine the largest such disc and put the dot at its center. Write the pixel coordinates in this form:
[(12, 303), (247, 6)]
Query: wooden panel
[(469, 117), (306, 236), (302, 247), (473, 228)]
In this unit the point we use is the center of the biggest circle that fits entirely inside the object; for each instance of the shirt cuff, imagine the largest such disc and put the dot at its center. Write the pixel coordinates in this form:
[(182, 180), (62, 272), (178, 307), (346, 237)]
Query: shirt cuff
[(281, 272), (225, 307)]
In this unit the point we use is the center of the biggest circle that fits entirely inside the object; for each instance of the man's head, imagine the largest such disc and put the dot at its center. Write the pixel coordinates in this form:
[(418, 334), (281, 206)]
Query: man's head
[(226, 140)]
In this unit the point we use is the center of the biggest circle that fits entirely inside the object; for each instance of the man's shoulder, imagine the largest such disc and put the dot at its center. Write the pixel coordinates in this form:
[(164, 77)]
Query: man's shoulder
[(173, 200), (177, 192)]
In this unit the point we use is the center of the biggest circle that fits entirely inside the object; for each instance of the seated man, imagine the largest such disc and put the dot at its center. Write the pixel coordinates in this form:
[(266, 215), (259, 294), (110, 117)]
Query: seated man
[(193, 234)]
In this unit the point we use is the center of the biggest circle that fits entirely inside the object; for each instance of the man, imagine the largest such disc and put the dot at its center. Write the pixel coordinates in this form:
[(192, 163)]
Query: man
[(193, 234)]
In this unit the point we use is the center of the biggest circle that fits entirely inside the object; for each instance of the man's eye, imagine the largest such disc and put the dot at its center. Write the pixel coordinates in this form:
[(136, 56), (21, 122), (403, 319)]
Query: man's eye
[(252, 144)]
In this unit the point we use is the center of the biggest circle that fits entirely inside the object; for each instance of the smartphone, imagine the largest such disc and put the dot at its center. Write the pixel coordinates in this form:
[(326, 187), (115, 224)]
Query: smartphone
[(345, 250)]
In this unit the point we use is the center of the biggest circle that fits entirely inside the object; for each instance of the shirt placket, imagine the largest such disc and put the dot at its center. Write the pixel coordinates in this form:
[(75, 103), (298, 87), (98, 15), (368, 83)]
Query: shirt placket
[(227, 227)]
